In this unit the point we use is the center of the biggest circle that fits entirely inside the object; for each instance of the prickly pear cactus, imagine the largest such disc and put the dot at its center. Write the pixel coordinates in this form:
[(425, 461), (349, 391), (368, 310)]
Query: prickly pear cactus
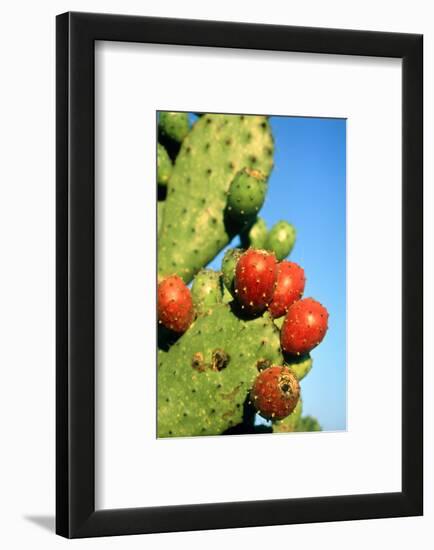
[(212, 180), (196, 225)]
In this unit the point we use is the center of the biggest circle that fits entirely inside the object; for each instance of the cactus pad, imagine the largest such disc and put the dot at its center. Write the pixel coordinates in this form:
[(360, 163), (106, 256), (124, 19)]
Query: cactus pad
[(205, 377), (196, 225), (164, 165), (207, 290)]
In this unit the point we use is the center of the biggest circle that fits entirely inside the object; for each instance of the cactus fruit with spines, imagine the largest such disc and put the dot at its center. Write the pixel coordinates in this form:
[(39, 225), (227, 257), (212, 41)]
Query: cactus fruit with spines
[(289, 288), (289, 423), (175, 304), (304, 327), (255, 236), (218, 338), (246, 194), (229, 263), (275, 392), (281, 239), (255, 280), (173, 125)]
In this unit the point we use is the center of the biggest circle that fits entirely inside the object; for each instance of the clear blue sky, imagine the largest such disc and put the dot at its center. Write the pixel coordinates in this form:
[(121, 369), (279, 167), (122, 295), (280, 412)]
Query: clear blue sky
[(308, 188)]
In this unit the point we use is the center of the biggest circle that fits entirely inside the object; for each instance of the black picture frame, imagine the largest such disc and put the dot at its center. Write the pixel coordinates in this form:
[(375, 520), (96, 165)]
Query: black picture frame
[(75, 296)]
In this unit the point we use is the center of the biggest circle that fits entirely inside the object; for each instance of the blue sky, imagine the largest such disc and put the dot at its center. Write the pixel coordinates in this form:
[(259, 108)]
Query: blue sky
[(308, 188)]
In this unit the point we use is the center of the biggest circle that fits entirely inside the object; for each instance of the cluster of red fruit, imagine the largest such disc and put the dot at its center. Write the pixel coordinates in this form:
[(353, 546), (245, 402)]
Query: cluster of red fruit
[(262, 283)]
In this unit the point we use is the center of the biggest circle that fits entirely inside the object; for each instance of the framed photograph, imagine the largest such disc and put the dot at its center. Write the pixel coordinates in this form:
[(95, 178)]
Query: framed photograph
[(239, 275)]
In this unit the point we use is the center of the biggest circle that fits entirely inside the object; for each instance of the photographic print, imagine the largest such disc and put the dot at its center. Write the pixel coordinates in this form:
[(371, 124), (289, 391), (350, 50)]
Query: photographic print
[(251, 274)]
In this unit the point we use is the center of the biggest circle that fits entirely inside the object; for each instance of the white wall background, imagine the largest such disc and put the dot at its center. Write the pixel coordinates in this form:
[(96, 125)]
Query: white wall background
[(27, 269)]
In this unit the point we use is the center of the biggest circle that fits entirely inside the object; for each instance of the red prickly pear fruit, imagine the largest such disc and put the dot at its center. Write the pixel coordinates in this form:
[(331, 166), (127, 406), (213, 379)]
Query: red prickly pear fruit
[(289, 287), (275, 392), (255, 278), (175, 304), (304, 326)]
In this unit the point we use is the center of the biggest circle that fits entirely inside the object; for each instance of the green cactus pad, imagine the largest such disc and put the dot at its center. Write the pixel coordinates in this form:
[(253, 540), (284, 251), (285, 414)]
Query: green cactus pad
[(160, 213), (300, 365), (207, 290), (279, 322), (246, 194), (281, 239), (173, 125), (164, 165), (205, 377), (308, 424), (196, 225), (256, 235), (229, 264), (227, 296)]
